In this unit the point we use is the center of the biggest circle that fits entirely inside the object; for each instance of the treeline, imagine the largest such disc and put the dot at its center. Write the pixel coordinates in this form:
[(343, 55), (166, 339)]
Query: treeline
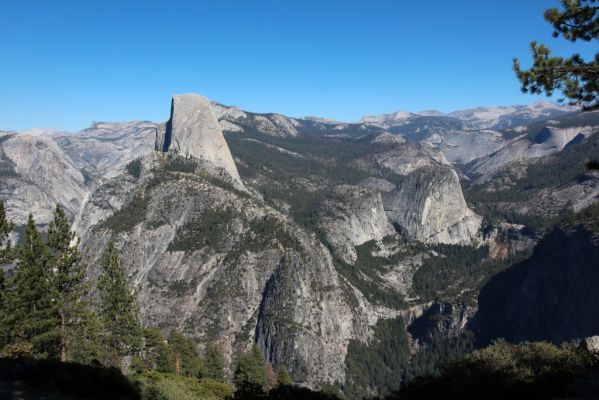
[(537, 370), (47, 308)]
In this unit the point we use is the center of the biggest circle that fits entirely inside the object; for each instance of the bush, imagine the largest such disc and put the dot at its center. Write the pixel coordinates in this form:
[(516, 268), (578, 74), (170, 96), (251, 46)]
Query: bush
[(536, 370), (160, 386)]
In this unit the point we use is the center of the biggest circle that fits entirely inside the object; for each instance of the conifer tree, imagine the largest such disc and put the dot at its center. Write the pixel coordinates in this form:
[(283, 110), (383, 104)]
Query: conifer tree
[(186, 358), (283, 377), (155, 353), (251, 368), (31, 308), (214, 363), (575, 78), (6, 227), (6, 257), (118, 311), (72, 290)]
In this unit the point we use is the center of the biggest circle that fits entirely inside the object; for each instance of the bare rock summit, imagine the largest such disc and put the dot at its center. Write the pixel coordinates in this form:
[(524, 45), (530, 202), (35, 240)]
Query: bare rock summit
[(194, 131)]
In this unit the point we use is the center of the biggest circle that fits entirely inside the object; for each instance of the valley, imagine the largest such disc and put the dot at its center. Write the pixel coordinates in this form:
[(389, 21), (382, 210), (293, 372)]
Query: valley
[(354, 255)]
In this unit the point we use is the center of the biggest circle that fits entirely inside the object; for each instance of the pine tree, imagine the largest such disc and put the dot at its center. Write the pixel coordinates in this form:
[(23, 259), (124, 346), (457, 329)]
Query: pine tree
[(186, 358), (283, 377), (118, 311), (72, 290), (156, 353), (6, 227), (6, 257), (251, 368), (214, 363), (577, 79), (31, 308)]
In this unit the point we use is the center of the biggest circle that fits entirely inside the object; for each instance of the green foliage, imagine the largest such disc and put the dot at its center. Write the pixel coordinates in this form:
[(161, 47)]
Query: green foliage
[(154, 385), (589, 217), (251, 368), (453, 264), (214, 363), (6, 227), (6, 256), (180, 164), (457, 272), (266, 230), (529, 370), (365, 275), (282, 178), (71, 287), (185, 354), (31, 313), (442, 349), (155, 353), (380, 366), (207, 229), (128, 216), (283, 377), (118, 311), (576, 79), (134, 168)]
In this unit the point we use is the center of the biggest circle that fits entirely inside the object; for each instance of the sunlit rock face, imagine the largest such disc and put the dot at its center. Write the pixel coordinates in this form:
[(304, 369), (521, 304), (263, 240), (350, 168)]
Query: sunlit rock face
[(429, 206), (353, 216), (193, 131)]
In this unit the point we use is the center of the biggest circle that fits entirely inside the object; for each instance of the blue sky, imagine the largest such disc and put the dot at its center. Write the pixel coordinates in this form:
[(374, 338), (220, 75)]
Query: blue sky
[(66, 63)]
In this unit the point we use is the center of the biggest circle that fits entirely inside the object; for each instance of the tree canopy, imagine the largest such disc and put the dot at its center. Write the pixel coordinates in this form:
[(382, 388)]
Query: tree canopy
[(575, 78)]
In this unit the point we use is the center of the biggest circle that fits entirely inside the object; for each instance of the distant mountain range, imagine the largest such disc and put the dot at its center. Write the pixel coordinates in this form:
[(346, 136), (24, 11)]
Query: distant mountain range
[(481, 117)]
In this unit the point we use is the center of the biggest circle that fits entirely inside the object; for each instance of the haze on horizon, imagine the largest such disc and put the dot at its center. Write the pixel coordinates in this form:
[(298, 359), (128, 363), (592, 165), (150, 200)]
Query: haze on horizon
[(67, 63)]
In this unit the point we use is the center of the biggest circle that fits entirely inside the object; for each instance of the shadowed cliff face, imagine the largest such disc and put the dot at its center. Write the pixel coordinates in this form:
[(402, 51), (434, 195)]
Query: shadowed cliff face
[(551, 296)]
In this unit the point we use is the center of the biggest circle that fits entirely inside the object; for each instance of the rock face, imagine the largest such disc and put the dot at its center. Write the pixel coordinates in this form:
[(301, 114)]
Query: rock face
[(43, 177), (550, 296), (429, 206), (232, 119), (506, 240), (223, 266), (193, 131), (351, 217), (461, 147), (548, 141), (441, 319)]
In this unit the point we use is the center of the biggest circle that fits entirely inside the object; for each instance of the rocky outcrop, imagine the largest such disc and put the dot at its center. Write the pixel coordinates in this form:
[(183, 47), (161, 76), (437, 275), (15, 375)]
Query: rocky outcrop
[(401, 160), (429, 206), (548, 141), (351, 217), (379, 184), (193, 131), (441, 319), (44, 176), (304, 323), (461, 147), (505, 240)]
